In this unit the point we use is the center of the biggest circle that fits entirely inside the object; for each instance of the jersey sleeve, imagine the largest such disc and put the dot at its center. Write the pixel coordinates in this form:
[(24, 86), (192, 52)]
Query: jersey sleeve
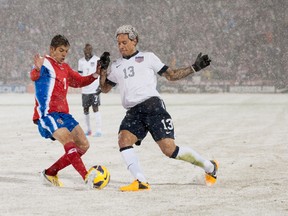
[(110, 82), (75, 80), (156, 63), (163, 69)]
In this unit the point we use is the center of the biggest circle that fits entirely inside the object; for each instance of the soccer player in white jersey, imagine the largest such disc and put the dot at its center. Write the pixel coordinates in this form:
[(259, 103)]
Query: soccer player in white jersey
[(91, 93), (135, 74)]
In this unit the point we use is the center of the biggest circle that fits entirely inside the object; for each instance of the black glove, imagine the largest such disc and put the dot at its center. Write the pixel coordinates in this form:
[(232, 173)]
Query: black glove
[(104, 60), (201, 62)]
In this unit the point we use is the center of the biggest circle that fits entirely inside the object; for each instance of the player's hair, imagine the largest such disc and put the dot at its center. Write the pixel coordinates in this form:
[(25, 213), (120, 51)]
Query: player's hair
[(59, 40), (130, 30)]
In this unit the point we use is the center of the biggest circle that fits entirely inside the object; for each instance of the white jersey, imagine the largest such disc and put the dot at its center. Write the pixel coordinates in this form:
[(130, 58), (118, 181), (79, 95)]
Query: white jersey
[(136, 77), (87, 68)]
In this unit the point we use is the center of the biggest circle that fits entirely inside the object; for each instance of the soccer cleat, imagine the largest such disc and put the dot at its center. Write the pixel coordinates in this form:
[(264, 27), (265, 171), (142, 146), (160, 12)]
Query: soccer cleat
[(51, 180), (88, 133), (97, 134), (210, 178), (136, 186)]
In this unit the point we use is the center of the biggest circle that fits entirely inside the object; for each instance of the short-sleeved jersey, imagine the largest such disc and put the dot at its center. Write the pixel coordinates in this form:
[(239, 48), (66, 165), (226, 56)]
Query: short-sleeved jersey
[(51, 86), (87, 68), (136, 77)]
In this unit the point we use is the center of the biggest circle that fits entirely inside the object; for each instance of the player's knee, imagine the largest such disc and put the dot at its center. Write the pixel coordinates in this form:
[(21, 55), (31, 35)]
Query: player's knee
[(124, 142), (86, 148), (85, 145), (126, 138), (81, 151), (86, 111)]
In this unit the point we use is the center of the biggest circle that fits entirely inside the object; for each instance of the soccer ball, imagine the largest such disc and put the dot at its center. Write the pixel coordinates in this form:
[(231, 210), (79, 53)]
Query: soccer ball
[(99, 176)]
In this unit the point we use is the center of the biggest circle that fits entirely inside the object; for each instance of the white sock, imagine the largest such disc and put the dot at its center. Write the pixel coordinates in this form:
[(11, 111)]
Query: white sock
[(132, 163), (87, 121), (189, 155), (98, 119)]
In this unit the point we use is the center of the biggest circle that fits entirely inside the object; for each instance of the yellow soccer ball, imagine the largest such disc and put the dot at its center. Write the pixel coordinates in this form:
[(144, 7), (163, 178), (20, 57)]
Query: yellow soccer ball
[(100, 176)]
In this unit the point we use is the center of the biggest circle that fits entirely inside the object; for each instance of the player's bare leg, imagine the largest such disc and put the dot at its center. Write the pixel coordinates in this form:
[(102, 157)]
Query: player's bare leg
[(80, 138)]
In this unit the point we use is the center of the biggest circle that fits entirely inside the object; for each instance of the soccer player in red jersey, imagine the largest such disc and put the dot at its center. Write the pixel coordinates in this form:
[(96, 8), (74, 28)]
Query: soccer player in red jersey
[(52, 77)]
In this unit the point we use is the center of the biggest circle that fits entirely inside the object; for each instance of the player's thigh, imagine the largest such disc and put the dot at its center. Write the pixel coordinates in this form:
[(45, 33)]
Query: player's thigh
[(63, 135), (80, 138), (87, 100), (167, 146)]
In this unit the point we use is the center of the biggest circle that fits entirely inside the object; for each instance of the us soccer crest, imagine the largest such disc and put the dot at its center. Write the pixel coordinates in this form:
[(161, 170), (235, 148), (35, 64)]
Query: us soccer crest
[(139, 59)]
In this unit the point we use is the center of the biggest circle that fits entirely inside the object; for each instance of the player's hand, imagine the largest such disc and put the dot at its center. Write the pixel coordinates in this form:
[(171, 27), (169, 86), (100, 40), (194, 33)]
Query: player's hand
[(38, 61), (104, 60), (201, 62)]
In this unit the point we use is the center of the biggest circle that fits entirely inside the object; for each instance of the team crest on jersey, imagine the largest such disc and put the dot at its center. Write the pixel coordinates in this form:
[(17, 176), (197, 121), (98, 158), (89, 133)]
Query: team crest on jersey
[(60, 121), (92, 64), (139, 59)]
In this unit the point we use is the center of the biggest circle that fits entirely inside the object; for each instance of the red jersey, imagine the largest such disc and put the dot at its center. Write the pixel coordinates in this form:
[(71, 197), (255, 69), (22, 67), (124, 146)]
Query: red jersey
[(51, 86)]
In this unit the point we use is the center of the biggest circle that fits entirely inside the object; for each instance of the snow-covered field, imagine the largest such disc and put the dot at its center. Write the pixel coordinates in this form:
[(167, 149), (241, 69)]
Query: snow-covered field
[(246, 133)]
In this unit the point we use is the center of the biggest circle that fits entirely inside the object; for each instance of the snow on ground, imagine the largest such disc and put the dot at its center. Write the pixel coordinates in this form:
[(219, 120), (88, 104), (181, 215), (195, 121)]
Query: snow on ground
[(246, 133)]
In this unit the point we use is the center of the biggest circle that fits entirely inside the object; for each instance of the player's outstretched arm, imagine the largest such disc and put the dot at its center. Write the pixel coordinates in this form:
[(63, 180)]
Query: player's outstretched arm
[(177, 74), (38, 62), (202, 61)]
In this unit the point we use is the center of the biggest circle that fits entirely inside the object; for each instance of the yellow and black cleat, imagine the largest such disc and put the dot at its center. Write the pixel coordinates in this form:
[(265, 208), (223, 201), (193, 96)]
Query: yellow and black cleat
[(136, 186), (211, 178)]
